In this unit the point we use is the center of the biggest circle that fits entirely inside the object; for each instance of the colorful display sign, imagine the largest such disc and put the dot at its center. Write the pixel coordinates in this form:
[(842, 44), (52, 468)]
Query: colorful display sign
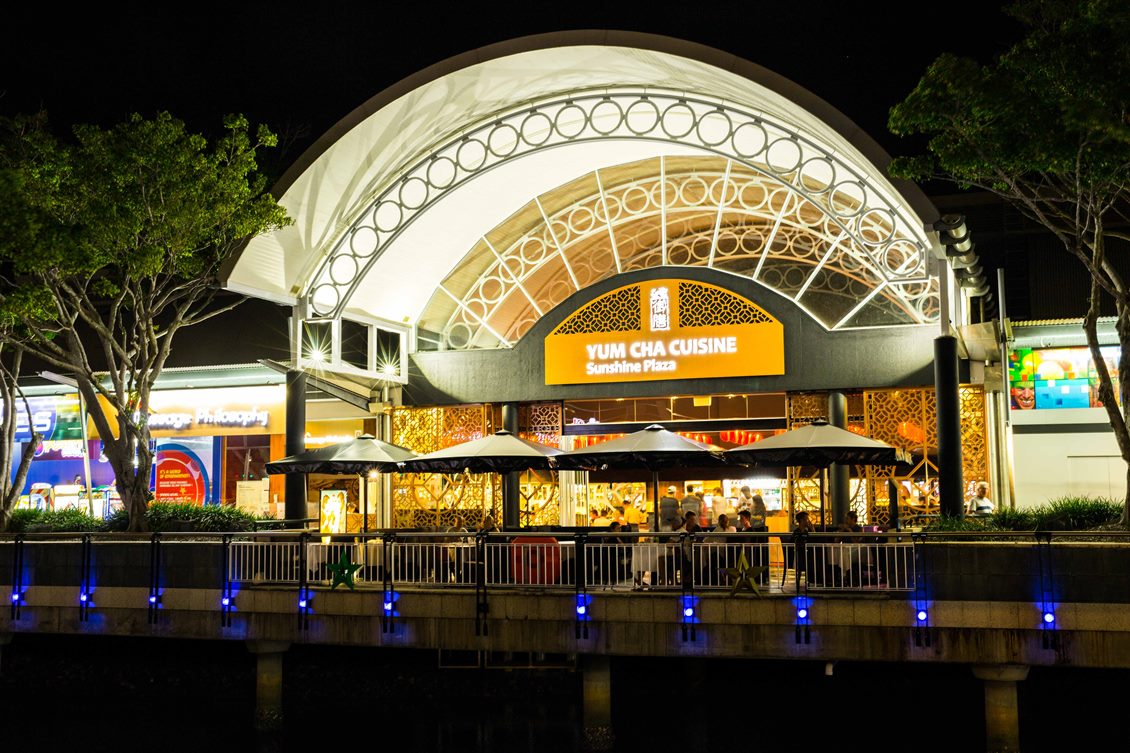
[(181, 473), (1052, 378), (664, 329), (55, 417), (331, 504)]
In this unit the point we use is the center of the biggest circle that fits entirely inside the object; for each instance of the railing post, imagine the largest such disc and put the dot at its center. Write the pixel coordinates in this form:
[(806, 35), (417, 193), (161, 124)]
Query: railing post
[(922, 633), (800, 560), (303, 582), (387, 581), (481, 605), (580, 584), (226, 595), (84, 580), (17, 596), (154, 577), (689, 608), (1048, 634)]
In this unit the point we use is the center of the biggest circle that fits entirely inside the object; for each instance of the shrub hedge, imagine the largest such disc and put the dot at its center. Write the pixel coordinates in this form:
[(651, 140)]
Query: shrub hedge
[(160, 517)]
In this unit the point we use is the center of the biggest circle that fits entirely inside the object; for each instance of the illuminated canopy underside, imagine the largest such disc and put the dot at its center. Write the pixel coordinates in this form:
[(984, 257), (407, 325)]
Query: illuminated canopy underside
[(474, 204)]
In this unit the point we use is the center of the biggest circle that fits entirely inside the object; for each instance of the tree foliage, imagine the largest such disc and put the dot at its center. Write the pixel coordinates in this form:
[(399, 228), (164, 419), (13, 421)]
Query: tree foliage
[(1046, 127), (110, 243)]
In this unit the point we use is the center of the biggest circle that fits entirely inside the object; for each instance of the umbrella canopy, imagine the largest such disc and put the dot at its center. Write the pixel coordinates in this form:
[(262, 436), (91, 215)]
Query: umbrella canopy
[(501, 452), (819, 444), (652, 448), (357, 456)]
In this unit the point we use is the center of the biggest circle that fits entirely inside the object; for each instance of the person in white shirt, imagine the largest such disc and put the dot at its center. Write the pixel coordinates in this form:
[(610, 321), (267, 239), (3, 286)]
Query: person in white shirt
[(979, 503)]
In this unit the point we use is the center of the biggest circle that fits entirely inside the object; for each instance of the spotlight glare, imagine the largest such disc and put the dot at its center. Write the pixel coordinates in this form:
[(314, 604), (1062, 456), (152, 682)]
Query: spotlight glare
[(388, 606), (688, 612), (302, 603), (82, 597), (152, 599), (15, 597), (802, 614), (226, 601), (1049, 617), (581, 609), (921, 615)]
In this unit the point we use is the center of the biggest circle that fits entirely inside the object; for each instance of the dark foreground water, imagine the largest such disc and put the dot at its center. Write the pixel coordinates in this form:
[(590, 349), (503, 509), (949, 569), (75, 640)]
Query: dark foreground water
[(108, 694)]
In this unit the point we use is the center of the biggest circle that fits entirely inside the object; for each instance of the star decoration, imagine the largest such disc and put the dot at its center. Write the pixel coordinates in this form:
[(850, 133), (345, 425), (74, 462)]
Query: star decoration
[(744, 576), (343, 571)]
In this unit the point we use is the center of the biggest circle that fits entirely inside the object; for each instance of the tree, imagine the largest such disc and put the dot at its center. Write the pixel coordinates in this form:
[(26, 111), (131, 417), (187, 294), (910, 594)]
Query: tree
[(1046, 127), (116, 239), (12, 401)]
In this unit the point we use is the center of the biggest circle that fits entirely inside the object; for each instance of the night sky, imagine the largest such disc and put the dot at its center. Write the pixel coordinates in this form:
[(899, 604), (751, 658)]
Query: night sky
[(300, 67)]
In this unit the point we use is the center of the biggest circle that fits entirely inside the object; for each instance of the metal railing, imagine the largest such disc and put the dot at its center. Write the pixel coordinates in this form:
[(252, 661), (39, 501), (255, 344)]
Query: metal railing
[(616, 562)]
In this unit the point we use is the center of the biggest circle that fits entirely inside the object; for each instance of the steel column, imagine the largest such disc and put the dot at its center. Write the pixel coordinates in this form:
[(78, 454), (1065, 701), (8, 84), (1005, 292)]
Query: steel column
[(950, 487)]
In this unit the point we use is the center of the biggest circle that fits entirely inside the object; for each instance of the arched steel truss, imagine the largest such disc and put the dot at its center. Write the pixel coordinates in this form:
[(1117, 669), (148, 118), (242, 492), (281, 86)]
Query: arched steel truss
[(882, 233), (683, 211)]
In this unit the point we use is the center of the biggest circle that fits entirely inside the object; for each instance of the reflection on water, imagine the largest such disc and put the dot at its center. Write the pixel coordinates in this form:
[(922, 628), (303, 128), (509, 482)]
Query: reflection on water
[(94, 694)]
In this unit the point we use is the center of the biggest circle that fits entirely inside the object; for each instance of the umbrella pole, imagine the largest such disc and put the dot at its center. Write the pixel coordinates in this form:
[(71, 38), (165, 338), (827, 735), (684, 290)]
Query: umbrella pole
[(823, 519), (655, 498), (363, 488)]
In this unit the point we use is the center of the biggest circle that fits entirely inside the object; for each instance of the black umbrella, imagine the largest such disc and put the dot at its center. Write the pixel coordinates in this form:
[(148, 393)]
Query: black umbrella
[(818, 444), (359, 456), (501, 452), (653, 448)]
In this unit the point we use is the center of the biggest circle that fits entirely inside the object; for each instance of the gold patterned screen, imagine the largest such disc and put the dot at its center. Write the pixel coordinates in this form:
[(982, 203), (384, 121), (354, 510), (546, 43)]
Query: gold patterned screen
[(618, 311), (540, 504), (705, 306), (421, 500), (905, 418)]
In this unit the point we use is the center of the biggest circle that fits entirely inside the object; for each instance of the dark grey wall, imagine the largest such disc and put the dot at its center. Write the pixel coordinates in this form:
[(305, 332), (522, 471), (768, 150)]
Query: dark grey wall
[(815, 359)]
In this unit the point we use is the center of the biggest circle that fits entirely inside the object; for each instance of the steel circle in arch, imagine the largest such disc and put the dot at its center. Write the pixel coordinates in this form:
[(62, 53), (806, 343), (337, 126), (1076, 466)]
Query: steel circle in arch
[(699, 122)]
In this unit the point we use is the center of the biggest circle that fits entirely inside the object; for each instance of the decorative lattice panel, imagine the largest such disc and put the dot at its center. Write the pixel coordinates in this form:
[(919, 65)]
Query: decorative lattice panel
[(706, 305), (806, 407), (541, 422), (618, 311), (423, 500), (539, 503), (974, 437)]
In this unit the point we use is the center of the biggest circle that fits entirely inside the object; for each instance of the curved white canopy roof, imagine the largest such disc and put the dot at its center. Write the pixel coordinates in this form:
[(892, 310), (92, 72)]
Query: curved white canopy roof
[(402, 193)]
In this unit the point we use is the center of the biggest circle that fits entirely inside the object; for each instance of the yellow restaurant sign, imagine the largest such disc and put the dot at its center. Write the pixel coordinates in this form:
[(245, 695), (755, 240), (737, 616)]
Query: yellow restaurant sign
[(212, 412), (664, 329)]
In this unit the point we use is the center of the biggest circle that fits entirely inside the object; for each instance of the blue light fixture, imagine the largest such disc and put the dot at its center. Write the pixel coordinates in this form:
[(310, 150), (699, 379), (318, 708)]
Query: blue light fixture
[(153, 599), (302, 603), (582, 610), (1049, 617), (388, 606), (802, 613), (83, 597), (15, 596), (226, 601), (921, 615)]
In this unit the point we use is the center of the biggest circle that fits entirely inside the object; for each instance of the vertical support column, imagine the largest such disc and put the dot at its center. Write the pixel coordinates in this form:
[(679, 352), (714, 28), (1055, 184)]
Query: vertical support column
[(511, 518), (596, 679), (950, 487), (268, 682), (839, 474), (295, 504), (1002, 718)]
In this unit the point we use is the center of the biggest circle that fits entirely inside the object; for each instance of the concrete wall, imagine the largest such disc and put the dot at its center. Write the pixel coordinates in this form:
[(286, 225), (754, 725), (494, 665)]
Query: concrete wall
[(1061, 452)]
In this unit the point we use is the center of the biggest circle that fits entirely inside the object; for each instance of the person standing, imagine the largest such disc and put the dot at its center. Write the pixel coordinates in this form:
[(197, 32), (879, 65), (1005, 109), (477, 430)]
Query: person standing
[(691, 503), (979, 503)]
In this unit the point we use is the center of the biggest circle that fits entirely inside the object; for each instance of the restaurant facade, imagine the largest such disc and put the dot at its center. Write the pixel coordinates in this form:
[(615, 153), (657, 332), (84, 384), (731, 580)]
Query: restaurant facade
[(576, 235)]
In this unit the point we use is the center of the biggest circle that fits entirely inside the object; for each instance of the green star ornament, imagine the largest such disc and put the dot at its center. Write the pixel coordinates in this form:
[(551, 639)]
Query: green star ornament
[(343, 570), (744, 576)]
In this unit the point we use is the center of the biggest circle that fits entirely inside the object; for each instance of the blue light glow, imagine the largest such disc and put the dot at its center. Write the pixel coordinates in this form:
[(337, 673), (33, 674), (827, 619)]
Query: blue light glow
[(152, 599), (688, 612), (302, 603), (226, 601), (15, 597), (581, 609), (922, 615), (388, 606), (802, 614), (1049, 617), (83, 597)]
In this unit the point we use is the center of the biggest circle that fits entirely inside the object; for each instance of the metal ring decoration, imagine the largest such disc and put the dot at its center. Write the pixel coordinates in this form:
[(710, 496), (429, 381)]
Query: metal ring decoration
[(710, 125)]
